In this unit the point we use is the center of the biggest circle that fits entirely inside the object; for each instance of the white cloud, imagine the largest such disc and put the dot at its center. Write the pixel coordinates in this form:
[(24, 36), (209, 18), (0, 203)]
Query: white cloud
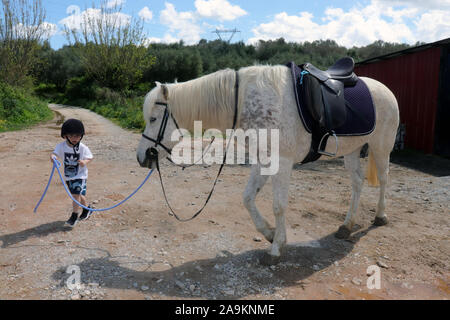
[(146, 14), (168, 38), (183, 23), (50, 29), (45, 30), (423, 4), (221, 10), (433, 25), (115, 3), (76, 21), (360, 26), (288, 27), (151, 40)]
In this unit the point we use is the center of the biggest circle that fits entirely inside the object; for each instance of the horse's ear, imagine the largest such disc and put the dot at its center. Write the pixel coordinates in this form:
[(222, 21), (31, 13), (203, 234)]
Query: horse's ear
[(158, 84), (165, 92)]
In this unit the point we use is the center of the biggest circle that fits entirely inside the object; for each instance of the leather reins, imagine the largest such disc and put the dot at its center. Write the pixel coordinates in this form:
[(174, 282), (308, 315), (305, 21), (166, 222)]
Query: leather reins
[(154, 152)]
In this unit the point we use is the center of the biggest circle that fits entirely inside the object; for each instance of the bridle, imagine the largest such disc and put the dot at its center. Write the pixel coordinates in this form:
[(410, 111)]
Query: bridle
[(153, 152), (162, 128)]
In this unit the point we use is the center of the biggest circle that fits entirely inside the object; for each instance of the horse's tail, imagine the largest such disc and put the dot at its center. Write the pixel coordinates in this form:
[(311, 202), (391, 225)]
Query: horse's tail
[(372, 177)]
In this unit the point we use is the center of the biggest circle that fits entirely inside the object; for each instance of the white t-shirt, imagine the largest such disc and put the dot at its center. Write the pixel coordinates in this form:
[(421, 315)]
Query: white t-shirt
[(72, 169)]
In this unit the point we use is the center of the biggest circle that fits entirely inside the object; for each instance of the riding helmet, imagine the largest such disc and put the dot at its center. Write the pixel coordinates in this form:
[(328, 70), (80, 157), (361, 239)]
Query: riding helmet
[(72, 126)]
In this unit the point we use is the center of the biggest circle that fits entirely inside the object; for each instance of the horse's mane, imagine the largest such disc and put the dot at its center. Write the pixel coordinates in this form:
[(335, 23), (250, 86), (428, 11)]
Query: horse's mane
[(266, 76), (211, 98)]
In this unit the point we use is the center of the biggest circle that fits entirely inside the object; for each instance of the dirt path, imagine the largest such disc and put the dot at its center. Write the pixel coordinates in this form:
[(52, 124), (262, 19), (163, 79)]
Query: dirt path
[(138, 252)]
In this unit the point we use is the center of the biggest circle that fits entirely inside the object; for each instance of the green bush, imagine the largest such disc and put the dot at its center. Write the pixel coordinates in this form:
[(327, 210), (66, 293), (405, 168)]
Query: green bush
[(80, 88), (19, 109), (49, 91), (107, 95), (143, 88), (126, 112)]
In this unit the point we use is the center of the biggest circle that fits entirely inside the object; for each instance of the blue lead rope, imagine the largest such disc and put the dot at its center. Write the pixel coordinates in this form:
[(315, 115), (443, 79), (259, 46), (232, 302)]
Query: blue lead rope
[(57, 165)]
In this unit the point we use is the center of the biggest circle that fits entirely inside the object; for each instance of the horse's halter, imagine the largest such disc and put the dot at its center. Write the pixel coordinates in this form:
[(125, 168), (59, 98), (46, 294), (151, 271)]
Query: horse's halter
[(162, 130)]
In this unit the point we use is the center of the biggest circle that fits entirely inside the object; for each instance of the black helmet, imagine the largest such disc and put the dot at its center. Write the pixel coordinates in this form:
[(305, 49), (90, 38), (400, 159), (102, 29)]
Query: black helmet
[(72, 126)]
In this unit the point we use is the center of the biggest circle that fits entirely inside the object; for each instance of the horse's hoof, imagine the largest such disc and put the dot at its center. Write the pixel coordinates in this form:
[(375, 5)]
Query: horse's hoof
[(270, 235), (269, 260), (380, 221), (343, 233)]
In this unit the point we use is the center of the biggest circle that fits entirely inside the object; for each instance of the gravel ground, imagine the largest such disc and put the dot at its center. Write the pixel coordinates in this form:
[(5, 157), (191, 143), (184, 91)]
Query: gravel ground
[(137, 251)]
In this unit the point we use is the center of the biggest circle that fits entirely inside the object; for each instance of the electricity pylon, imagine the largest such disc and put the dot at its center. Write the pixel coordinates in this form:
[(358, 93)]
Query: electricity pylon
[(232, 31)]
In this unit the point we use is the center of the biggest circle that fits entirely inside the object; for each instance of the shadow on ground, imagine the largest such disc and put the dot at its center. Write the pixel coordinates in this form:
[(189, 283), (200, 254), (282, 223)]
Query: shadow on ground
[(426, 163), (228, 276), (39, 231)]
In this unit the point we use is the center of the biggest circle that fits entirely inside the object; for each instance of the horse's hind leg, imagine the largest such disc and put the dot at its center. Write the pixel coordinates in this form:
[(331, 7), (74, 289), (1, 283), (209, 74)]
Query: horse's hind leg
[(382, 163), (255, 184), (353, 165)]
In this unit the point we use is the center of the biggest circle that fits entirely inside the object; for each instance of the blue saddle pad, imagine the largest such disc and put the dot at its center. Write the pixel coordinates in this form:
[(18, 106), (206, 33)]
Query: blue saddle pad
[(360, 109)]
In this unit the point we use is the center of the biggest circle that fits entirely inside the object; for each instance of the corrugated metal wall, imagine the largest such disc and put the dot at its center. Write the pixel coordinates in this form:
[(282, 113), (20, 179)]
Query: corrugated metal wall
[(414, 80), (442, 132)]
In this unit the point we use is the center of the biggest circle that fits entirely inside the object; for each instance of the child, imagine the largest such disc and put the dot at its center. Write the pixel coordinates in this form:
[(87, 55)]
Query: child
[(75, 156)]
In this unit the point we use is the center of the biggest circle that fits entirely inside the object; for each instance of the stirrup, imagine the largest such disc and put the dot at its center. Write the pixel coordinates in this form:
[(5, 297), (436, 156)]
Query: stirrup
[(323, 152)]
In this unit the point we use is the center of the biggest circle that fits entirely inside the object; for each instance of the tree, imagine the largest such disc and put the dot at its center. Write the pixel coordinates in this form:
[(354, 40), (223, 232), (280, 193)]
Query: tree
[(174, 62), (379, 48), (22, 29), (57, 67), (111, 46)]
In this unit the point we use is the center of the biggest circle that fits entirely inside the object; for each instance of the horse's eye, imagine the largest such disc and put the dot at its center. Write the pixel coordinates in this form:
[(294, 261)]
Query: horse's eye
[(152, 119)]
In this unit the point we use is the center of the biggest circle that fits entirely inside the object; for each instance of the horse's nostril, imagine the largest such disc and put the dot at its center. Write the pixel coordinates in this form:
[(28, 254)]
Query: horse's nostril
[(151, 154), (148, 153)]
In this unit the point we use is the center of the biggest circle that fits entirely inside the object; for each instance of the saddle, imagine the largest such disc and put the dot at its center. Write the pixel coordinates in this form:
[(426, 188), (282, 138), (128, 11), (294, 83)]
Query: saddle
[(321, 93)]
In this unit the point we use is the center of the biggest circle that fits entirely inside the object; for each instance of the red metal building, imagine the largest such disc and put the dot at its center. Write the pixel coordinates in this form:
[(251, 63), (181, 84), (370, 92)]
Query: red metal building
[(419, 77)]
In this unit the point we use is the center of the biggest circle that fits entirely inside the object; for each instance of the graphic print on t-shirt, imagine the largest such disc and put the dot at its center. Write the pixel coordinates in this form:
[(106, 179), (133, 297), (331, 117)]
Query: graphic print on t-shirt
[(71, 164)]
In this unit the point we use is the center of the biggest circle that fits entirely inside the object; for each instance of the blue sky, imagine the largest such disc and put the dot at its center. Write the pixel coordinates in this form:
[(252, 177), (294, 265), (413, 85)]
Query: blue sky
[(349, 23)]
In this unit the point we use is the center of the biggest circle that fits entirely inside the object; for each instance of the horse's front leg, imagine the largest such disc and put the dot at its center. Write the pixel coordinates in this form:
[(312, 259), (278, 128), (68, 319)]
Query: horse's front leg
[(353, 165), (280, 185), (255, 184)]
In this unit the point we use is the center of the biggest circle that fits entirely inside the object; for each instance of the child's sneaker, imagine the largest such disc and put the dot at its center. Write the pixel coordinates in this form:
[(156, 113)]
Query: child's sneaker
[(85, 214), (72, 220)]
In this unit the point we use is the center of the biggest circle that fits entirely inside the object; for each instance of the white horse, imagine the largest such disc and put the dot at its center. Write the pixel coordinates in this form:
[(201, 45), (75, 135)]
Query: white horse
[(266, 100)]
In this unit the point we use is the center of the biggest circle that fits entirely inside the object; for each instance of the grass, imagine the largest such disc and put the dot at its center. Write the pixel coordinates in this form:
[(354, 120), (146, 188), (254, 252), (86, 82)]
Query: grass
[(19, 109)]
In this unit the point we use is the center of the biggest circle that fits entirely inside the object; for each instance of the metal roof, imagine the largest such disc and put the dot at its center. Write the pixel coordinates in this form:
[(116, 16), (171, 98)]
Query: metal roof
[(406, 51)]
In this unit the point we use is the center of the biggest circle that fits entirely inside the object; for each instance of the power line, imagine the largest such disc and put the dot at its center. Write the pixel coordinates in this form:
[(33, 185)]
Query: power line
[(224, 31)]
